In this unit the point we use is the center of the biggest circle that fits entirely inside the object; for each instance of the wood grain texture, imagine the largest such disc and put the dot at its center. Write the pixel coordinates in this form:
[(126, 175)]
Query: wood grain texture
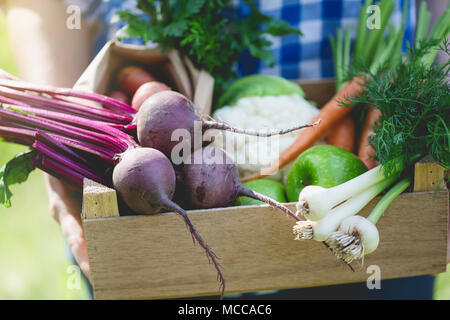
[(99, 201), (319, 91), (428, 175), (133, 257), (204, 92), (182, 81), (154, 257)]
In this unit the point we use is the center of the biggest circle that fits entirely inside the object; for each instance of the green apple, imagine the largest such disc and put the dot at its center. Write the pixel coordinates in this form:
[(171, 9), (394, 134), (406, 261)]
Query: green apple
[(323, 165), (269, 188)]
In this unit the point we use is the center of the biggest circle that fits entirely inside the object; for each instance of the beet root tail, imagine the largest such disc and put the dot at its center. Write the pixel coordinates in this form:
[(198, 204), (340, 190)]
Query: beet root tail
[(210, 254), (258, 196)]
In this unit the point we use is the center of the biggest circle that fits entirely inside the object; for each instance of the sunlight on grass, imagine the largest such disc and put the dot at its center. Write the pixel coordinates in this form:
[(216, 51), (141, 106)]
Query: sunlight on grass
[(442, 285), (34, 260)]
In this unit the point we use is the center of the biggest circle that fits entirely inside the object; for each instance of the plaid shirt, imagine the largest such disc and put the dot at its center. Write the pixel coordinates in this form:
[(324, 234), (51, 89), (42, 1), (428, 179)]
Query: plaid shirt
[(297, 57)]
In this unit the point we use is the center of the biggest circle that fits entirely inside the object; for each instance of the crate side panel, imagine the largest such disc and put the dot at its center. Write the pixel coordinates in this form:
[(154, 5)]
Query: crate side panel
[(154, 257)]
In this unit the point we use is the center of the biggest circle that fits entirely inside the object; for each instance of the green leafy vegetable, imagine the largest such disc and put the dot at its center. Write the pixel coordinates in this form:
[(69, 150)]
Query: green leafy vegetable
[(414, 100), (15, 171), (372, 48), (206, 31), (258, 85)]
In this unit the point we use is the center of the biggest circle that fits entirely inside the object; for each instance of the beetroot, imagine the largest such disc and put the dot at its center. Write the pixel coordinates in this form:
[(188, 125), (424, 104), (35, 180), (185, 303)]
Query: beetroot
[(145, 180), (212, 181), (119, 95), (130, 78), (145, 91), (166, 111)]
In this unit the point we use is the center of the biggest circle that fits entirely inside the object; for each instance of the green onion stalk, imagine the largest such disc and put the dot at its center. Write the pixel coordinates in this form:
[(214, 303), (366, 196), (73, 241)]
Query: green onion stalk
[(331, 212), (358, 236)]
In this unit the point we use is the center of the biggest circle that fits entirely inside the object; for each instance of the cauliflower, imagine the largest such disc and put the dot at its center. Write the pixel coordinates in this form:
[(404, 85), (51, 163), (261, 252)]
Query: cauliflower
[(250, 153)]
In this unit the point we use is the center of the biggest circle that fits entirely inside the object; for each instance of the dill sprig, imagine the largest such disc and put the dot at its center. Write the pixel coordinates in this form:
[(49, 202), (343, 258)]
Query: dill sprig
[(414, 101)]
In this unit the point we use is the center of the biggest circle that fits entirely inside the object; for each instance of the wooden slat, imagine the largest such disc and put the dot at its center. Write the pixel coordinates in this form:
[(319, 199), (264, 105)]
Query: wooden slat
[(153, 256), (99, 201), (204, 92), (319, 91), (182, 81), (428, 175)]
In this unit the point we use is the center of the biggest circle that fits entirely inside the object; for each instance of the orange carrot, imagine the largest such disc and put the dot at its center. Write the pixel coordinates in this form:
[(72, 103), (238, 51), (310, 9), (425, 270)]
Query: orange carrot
[(130, 78), (331, 113), (342, 134), (365, 152)]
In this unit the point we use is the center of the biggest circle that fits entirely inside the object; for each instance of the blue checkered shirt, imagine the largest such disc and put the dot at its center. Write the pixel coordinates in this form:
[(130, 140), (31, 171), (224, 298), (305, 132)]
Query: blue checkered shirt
[(297, 57)]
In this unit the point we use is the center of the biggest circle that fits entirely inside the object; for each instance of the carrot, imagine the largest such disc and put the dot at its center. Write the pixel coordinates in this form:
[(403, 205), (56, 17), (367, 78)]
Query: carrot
[(342, 134), (365, 151), (331, 113), (130, 78), (119, 95)]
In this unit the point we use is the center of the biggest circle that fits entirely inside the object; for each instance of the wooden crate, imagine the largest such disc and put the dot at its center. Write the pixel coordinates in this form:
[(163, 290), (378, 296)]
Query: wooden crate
[(136, 257)]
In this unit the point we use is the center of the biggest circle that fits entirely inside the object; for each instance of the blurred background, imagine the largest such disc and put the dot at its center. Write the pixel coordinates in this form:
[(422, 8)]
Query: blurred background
[(34, 261)]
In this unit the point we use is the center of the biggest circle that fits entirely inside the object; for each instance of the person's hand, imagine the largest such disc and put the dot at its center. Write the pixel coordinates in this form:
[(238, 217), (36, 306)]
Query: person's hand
[(65, 206), (59, 57)]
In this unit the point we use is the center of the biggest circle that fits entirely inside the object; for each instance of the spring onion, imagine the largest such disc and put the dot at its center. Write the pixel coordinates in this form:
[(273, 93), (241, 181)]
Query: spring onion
[(358, 236), (319, 230), (315, 201)]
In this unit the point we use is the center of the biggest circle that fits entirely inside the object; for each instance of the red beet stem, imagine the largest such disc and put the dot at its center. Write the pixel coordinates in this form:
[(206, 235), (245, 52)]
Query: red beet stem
[(76, 121), (27, 136), (50, 141), (59, 170), (108, 102), (67, 130), (69, 164), (67, 106), (258, 196), (211, 255)]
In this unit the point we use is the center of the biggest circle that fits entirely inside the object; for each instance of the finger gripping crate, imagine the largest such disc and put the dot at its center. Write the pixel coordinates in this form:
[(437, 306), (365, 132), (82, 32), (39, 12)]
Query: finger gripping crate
[(153, 256)]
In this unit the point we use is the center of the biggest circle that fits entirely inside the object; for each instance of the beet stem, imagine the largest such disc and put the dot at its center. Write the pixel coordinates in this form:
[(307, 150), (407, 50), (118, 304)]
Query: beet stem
[(96, 126), (50, 141), (67, 106), (174, 207), (16, 135), (59, 170), (226, 127), (67, 130), (104, 100), (69, 163), (258, 196), (19, 134)]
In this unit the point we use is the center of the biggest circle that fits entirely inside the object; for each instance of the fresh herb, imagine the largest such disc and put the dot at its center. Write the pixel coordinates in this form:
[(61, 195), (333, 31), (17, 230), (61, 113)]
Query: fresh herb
[(414, 100), (371, 48), (15, 171), (208, 32)]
